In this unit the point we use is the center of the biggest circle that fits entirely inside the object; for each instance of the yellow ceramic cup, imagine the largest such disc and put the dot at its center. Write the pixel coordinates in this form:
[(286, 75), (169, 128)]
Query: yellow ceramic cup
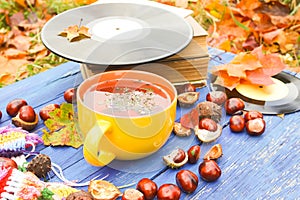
[(109, 137)]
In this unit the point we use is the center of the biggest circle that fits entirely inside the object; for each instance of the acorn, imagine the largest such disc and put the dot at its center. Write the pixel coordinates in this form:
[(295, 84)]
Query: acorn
[(40, 165)]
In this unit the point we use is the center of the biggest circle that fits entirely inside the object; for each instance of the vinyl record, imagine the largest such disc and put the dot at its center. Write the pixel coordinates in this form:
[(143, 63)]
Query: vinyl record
[(289, 101), (122, 33)]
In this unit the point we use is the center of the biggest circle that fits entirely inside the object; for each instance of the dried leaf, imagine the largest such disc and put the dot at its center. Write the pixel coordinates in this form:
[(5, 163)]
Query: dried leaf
[(61, 128), (74, 33), (20, 42), (256, 67), (190, 119), (14, 53)]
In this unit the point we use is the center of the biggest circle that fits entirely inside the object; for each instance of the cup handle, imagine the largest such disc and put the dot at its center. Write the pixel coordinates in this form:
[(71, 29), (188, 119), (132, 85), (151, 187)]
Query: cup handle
[(91, 151)]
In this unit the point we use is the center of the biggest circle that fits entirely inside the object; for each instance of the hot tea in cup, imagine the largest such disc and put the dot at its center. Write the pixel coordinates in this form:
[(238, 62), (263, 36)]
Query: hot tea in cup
[(125, 115)]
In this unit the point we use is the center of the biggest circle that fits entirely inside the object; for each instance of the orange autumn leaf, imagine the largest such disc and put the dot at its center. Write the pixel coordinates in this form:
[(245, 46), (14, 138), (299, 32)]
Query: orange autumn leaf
[(12, 53), (74, 33), (256, 67), (223, 79)]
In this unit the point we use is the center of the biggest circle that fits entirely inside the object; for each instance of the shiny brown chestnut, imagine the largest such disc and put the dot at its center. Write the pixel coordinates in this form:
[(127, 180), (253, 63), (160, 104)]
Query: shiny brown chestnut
[(256, 127), (233, 105), (147, 187), (69, 94), (237, 123), (168, 191), (193, 154), (26, 118), (218, 97), (209, 170), (13, 107), (27, 113), (252, 114), (187, 180), (208, 124), (44, 112), (0, 114)]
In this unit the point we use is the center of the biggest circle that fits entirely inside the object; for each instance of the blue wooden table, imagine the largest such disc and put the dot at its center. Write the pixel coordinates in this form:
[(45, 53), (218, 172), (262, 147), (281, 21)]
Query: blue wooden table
[(264, 167)]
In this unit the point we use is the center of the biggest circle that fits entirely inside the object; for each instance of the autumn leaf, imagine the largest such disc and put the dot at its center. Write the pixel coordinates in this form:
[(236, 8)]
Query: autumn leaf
[(74, 33), (270, 23), (256, 67), (190, 119), (61, 128)]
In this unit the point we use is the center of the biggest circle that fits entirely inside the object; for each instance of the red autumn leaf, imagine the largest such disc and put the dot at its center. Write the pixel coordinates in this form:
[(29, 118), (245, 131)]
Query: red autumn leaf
[(270, 36), (250, 43), (258, 77), (272, 62), (190, 119), (273, 8)]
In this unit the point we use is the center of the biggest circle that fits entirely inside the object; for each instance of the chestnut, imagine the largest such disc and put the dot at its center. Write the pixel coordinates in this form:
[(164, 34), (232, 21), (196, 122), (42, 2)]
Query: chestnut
[(256, 127), (252, 115), (69, 94), (14, 106), (0, 114), (27, 114), (132, 194), (187, 181), (194, 154), (147, 187), (44, 112), (168, 191), (208, 124), (26, 118), (234, 105), (237, 123), (187, 87), (209, 170), (218, 97), (176, 158)]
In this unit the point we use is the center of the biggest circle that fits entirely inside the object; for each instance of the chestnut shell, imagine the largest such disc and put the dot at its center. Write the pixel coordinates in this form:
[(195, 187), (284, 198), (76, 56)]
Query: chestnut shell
[(181, 131), (214, 152), (28, 126), (188, 99)]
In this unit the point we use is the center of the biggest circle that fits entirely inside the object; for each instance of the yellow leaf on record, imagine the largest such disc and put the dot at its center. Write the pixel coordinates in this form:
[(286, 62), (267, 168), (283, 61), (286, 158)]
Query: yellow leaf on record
[(84, 31), (74, 33)]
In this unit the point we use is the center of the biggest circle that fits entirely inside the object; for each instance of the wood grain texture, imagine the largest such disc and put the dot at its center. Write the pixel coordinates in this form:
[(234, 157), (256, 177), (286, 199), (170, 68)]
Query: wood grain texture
[(264, 167)]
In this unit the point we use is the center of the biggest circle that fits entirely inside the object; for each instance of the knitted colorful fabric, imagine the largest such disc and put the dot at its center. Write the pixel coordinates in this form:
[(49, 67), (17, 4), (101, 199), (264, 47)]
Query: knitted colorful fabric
[(17, 185), (14, 141)]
